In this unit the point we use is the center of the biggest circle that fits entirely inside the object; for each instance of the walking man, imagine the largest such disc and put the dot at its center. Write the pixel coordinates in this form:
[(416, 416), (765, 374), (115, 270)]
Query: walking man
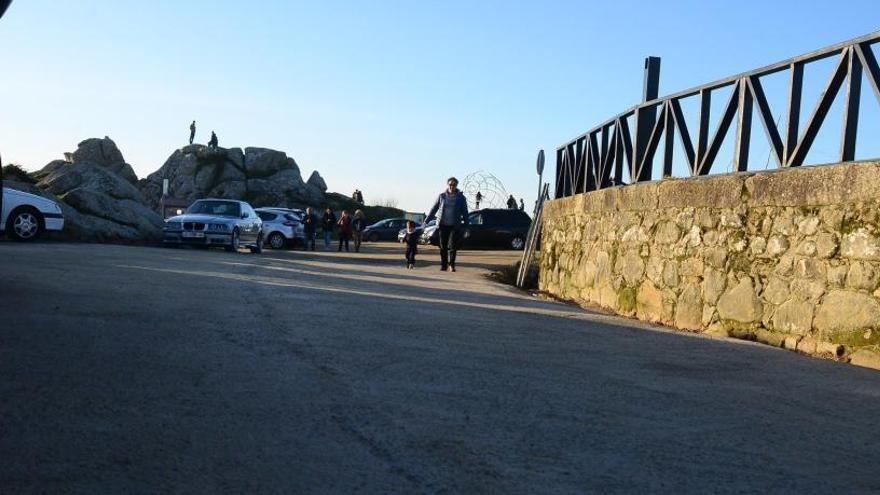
[(192, 132), (451, 206), (328, 222), (310, 223)]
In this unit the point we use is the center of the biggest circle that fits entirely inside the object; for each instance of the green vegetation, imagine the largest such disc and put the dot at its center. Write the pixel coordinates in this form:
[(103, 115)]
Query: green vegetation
[(17, 173), (373, 214), (626, 299)]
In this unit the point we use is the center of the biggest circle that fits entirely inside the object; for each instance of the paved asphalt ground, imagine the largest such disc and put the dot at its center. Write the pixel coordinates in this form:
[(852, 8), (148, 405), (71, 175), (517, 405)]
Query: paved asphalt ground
[(149, 370)]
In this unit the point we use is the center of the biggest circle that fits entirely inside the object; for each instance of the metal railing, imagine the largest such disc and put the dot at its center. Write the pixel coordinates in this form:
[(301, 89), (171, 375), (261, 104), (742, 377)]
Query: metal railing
[(595, 159)]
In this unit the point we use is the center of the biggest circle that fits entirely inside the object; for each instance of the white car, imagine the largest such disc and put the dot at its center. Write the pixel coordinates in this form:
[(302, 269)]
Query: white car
[(25, 216)]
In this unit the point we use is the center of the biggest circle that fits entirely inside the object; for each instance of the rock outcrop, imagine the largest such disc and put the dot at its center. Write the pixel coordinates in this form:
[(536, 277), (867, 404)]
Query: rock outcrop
[(261, 176), (98, 198), (103, 200), (317, 181)]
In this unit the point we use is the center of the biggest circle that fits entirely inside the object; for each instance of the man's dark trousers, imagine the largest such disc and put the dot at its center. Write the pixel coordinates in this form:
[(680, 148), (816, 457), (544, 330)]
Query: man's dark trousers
[(449, 236)]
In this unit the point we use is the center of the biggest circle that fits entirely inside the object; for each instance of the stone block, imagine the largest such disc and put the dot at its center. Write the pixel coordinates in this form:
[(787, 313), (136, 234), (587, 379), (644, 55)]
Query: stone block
[(631, 266), (866, 358), (702, 192), (689, 308), (776, 291), (777, 245), (845, 310), (794, 317), (714, 283), (842, 183), (861, 245), (862, 275), (649, 303), (740, 303), (667, 233)]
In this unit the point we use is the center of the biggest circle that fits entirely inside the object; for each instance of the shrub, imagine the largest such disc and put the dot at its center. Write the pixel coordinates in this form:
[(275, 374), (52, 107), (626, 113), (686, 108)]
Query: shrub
[(17, 173)]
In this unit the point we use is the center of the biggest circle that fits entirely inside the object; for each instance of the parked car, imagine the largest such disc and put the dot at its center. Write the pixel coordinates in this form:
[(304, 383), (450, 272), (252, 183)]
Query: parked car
[(491, 228), (216, 222), (26, 216), (384, 230), (281, 227), (418, 230)]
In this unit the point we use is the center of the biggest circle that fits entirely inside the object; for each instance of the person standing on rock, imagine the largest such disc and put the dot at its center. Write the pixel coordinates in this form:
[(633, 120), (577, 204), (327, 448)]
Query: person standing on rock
[(213, 142), (344, 229), (192, 132), (451, 206), (479, 198), (310, 224), (328, 222), (511, 203), (522, 205), (357, 229)]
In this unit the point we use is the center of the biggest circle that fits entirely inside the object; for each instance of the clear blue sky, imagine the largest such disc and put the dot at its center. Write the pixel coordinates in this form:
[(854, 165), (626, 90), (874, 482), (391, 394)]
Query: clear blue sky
[(391, 97)]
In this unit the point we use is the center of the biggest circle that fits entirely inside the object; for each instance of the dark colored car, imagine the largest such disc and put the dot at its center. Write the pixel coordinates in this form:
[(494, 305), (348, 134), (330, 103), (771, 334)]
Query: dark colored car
[(384, 230), (492, 228), (418, 230), (216, 222)]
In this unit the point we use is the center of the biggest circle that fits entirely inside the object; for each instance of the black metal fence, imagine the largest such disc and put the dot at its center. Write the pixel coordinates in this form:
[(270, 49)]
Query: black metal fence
[(595, 159)]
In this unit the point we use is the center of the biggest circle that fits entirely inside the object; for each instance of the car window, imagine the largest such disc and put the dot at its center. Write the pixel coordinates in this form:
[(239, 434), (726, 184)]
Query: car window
[(475, 219), (292, 217), (219, 208), (266, 216)]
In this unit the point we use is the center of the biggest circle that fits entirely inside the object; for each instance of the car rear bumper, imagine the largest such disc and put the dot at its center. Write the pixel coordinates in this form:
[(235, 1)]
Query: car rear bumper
[(209, 239)]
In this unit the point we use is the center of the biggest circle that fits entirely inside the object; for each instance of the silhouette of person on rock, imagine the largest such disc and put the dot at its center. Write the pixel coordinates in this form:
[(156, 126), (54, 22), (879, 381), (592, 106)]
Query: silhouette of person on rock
[(192, 132), (213, 142)]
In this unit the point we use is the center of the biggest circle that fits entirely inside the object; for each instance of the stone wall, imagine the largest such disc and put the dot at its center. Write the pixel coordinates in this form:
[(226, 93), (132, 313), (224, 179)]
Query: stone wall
[(788, 257)]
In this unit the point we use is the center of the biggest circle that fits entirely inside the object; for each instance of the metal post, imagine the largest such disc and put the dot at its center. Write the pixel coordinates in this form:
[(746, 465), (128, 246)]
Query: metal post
[(646, 117)]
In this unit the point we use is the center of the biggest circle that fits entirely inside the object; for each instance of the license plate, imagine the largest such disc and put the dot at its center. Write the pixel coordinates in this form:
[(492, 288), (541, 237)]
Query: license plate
[(194, 234)]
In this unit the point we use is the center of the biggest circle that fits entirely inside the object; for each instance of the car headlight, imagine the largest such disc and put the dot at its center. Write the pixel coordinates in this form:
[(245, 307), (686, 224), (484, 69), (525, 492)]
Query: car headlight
[(218, 227)]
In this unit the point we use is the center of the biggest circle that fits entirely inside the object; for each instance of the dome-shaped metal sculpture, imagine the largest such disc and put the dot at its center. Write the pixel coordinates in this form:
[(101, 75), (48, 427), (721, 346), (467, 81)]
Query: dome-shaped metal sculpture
[(492, 191)]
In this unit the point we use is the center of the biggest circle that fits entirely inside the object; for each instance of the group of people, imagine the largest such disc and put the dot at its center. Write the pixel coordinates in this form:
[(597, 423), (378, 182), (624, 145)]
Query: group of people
[(192, 136), (450, 210), (350, 227), (511, 202)]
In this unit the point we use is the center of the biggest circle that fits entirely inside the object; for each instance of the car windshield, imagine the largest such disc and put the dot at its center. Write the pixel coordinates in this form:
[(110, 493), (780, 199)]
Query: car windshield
[(218, 208)]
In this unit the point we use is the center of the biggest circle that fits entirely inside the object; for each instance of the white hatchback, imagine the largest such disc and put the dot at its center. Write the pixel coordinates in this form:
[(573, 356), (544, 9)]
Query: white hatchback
[(25, 216)]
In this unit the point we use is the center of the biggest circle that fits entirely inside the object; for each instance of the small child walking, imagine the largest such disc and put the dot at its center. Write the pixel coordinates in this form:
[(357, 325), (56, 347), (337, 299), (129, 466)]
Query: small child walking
[(411, 239)]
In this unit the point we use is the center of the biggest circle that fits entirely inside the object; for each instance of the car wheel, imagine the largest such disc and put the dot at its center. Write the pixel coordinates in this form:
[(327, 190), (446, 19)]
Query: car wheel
[(235, 242), (24, 224), (374, 237), (276, 240), (258, 247), (517, 243)]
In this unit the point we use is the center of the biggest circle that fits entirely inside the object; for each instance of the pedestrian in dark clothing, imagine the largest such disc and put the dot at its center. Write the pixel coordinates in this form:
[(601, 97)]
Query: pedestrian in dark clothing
[(192, 132), (213, 142), (452, 212), (310, 224), (328, 223), (357, 229), (411, 239), (511, 203), (522, 205), (478, 198), (344, 230), (360, 197)]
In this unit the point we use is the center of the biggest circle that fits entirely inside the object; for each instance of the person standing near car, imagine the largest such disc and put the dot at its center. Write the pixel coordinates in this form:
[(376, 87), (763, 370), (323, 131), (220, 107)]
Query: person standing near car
[(328, 223), (310, 224), (344, 229), (357, 229), (452, 212)]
